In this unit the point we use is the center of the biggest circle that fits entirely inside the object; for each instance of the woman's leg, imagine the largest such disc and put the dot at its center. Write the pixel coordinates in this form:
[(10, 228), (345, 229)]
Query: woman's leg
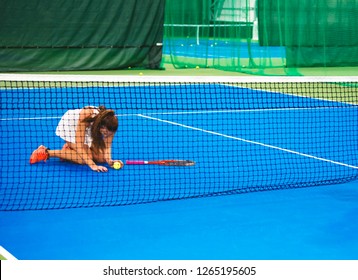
[(69, 154), (99, 158)]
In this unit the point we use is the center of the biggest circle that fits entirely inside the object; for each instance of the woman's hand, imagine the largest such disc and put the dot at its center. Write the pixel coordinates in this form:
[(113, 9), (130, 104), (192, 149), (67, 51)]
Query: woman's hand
[(98, 168)]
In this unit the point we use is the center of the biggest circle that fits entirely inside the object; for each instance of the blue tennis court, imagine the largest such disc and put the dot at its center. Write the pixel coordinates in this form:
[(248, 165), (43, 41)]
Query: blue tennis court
[(248, 143)]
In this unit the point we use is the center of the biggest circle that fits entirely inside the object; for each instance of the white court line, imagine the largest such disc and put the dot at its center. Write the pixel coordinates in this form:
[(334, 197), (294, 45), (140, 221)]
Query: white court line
[(6, 254), (216, 133), (192, 112), (29, 118), (50, 118), (240, 111), (249, 141)]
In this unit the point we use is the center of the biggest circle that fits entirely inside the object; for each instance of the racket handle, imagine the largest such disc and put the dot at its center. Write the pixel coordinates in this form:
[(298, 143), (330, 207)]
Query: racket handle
[(136, 162)]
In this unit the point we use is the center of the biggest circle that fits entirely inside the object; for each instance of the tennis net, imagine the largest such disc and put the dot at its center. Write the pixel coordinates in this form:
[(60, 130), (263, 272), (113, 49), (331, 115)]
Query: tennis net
[(244, 134)]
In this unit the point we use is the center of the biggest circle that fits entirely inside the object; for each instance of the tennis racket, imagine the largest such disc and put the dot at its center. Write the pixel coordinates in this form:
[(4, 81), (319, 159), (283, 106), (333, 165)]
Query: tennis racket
[(168, 162)]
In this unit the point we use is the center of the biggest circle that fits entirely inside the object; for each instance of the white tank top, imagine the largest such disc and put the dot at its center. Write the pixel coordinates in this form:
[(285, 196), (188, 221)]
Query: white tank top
[(66, 128)]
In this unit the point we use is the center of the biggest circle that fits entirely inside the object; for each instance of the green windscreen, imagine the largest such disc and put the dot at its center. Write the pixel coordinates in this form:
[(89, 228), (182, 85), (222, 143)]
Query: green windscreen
[(43, 35), (261, 36)]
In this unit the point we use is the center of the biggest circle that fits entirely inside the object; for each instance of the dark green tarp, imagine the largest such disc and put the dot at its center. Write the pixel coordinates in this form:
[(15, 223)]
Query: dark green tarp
[(43, 35)]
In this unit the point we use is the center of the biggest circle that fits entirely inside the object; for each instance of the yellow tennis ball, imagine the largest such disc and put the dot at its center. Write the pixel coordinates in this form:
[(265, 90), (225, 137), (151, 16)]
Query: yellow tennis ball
[(140, 73), (117, 165)]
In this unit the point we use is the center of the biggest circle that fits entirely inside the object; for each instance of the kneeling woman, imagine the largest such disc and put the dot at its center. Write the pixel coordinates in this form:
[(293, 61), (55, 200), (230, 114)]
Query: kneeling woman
[(88, 134)]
